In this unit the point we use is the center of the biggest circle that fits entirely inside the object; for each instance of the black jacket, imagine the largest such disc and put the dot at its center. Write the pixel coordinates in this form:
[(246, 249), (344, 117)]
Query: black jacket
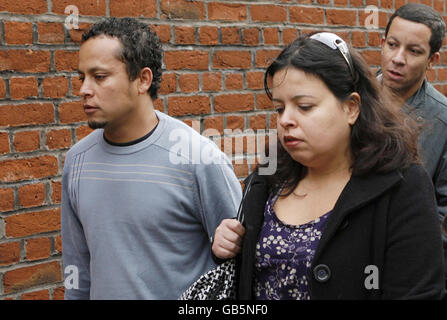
[(388, 221)]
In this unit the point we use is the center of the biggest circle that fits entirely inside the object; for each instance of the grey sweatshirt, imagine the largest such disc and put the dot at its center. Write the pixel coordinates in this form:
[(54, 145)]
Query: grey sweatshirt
[(138, 221)]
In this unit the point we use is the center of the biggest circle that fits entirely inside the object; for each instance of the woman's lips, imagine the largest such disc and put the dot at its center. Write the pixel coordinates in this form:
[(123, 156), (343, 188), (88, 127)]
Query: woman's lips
[(290, 141)]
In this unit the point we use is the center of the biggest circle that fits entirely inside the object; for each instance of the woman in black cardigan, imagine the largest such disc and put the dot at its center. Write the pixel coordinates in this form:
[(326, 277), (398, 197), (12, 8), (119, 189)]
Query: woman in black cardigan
[(349, 212)]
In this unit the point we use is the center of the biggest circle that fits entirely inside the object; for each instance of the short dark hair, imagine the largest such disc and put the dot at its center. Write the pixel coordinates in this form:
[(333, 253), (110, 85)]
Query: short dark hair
[(382, 139), (141, 46), (426, 15)]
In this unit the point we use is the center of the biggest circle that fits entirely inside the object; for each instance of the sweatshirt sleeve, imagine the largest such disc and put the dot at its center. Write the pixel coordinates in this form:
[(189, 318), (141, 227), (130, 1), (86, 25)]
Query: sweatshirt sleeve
[(219, 192), (75, 253)]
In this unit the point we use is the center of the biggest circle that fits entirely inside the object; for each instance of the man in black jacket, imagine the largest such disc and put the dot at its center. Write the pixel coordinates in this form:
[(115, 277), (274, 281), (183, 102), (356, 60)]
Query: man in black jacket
[(410, 47)]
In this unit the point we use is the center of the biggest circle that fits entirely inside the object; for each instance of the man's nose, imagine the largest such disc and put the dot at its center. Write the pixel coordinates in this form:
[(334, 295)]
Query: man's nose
[(399, 57), (85, 89)]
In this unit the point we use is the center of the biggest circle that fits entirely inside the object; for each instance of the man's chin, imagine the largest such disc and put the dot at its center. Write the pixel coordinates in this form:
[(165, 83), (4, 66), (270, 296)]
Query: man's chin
[(97, 124)]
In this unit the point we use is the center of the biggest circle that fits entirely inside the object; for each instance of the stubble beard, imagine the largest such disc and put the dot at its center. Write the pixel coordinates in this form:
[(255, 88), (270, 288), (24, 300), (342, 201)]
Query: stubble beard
[(97, 124)]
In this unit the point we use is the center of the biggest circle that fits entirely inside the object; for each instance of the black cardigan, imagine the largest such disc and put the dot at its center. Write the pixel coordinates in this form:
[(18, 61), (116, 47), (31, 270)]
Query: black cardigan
[(386, 220)]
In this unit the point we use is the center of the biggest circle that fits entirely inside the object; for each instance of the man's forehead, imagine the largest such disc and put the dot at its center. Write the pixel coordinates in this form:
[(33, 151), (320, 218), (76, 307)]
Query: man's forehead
[(99, 51), (413, 32)]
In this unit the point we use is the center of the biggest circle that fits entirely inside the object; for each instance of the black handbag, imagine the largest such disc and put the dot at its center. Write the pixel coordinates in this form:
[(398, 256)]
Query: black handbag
[(218, 283)]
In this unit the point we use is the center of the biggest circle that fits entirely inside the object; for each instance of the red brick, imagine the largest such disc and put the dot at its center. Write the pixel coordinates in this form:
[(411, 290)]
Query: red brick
[(431, 75), (36, 295), (263, 102), (18, 32), (341, 17), (70, 112), (75, 86), (373, 58), (268, 13), (58, 244), (26, 114), (6, 199), (168, 83), (358, 39), (182, 9), (56, 87), (38, 248), (189, 82), (25, 60), (212, 81), (289, 35), (9, 252), (76, 34), (442, 74), (273, 121), (227, 12), (186, 59), (32, 276), (86, 7), (51, 32), (374, 39), (66, 60), (215, 123), (255, 80), (2, 88), (258, 122), (184, 35), (343, 3), (208, 35), (233, 102), (26, 141), (29, 168), (271, 36), (235, 122), (234, 81), (230, 35), (163, 32), (21, 88), (58, 293), (306, 15), (30, 223), (4, 143), (179, 106), (82, 132), (250, 36), (56, 193), (24, 6), (59, 139), (265, 57), (232, 60), (133, 8), (241, 170)]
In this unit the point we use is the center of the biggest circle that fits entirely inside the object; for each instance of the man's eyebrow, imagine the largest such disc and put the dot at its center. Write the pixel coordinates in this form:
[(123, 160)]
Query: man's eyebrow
[(91, 70), (409, 45)]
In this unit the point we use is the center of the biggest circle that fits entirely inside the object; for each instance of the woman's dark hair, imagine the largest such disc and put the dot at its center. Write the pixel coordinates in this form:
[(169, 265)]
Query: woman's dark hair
[(382, 138), (141, 47)]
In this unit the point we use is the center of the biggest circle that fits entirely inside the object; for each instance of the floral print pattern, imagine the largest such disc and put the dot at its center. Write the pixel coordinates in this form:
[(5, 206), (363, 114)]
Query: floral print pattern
[(284, 256)]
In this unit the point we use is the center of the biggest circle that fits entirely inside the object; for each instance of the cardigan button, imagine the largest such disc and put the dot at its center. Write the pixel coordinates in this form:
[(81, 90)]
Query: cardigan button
[(322, 273)]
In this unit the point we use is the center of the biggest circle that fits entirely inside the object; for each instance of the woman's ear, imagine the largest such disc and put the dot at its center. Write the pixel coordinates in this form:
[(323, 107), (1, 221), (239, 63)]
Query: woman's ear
[(351, 106), (144, 80)]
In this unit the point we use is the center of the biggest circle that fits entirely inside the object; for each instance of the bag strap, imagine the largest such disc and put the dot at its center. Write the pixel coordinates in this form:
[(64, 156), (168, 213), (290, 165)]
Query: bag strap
[(240, 215)]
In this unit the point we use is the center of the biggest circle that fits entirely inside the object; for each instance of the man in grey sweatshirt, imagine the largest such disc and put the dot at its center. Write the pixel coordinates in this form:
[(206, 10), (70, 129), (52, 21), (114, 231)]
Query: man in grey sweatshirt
[(144, 193)]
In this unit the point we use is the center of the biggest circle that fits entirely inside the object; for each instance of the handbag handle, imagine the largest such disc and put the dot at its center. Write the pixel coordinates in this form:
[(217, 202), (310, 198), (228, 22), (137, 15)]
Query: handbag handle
[(240, 215)]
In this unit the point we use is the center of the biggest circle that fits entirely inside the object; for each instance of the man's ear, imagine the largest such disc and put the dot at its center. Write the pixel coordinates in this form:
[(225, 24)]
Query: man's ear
[(144, 80), (434, 59), (351, 106)]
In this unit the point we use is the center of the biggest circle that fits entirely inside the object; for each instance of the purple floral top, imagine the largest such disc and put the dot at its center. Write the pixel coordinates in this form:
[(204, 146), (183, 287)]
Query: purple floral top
[(284, 255)]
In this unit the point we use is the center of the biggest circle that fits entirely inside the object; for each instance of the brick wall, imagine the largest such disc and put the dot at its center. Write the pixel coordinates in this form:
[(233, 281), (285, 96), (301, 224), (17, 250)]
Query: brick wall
[(215, 55)]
